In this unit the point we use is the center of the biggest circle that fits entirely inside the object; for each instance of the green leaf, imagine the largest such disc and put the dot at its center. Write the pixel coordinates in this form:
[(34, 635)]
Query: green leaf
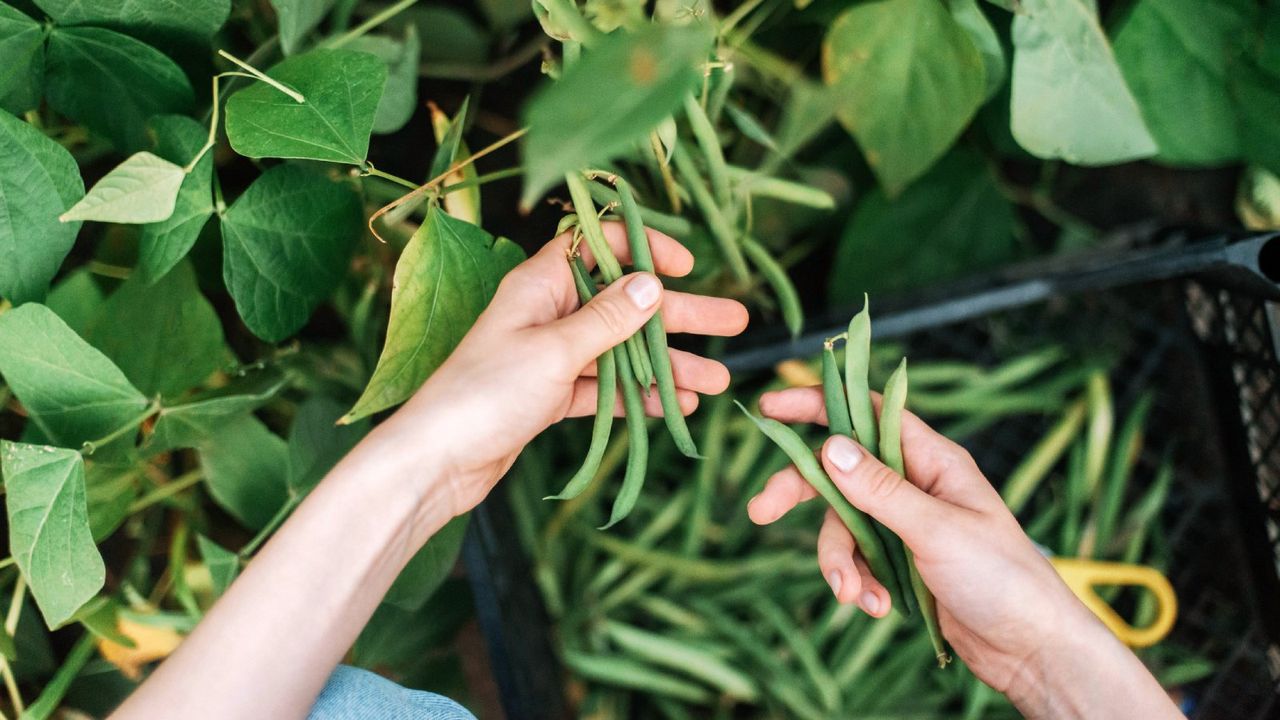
[(1069, 99), (223, 564), (21, 61), (164, 243), (286, 244), (49, 528), (450, 142), (449, 35), (444, 279), (908, 78), (341, 90), (641, 77), (38, 180), (317, 443), (76, 299), (142, 189), (100, 616), (1175, 55), (245, 467), (970, 17), (952, 221), (72, 392), (112, 487), (196, 421), (400, 97), (149, 20), (166, 337), (1256, 89), (113, 83), (429, 567), (296, 19)]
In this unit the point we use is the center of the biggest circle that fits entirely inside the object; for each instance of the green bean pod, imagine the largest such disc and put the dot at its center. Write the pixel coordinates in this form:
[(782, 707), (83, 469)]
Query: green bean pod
[(638, 437), (655, 333), (776, 276), (859, 525), (857, 363), (895, 401), (610, 270), (607, 380), (725, 236), (684, 658), (704, 133), (837, 403), (1124, 453), (613, 670)]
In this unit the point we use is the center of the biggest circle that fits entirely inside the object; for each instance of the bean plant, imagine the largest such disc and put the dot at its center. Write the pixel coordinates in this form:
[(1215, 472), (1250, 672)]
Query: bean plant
[(238, 232)]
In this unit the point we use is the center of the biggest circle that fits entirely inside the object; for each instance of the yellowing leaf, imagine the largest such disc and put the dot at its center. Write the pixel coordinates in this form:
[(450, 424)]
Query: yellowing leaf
[(142, 189), (150, 643)]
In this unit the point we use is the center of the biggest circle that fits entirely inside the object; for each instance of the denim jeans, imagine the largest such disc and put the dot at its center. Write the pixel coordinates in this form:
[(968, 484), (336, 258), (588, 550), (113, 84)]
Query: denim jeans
[(355, 694)]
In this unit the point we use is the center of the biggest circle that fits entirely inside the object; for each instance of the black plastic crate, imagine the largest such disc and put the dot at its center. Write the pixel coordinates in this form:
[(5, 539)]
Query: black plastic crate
[(1192, 319)]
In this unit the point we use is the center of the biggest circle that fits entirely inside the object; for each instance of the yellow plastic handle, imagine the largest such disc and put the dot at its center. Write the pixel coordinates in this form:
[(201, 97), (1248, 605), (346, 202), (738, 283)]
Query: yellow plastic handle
[(1082, 576)]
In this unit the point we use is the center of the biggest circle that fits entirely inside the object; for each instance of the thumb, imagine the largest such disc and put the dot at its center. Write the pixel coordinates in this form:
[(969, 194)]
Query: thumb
[(874, 488), (611, 317)]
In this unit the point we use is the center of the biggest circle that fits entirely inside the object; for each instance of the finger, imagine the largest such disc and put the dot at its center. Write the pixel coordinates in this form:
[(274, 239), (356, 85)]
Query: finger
[(786, 489), (883, 494), (795, 405), (874, 598), (610, 318), (703, 315), (583, 402), (691, 372), (835, 558)]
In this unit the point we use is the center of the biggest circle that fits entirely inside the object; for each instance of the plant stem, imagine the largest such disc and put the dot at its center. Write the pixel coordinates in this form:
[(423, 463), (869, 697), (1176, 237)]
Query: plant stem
[(90, 446), (7, 562), (169, 489), (369, 169), (258, 74), (481, 180), (364, 27), (11, 626), (276, 521)]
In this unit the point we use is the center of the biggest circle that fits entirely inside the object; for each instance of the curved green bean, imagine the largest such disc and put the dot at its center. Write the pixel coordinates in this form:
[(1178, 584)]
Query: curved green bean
[(607, 379), (895, 401), (638, 436), (776, 276), (685, 658), (655, 333), (717, 223), (837, 403), (704, 133), (859, 525), (619, 671), (857, 362)]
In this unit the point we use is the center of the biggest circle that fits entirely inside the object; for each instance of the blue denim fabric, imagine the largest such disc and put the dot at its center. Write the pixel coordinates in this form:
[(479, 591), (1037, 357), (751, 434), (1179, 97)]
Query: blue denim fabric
[(355, 694)]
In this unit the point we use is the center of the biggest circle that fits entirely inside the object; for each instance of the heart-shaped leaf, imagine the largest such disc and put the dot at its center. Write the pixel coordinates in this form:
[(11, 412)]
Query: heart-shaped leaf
[(49, 527), (908, 79), (72, 392), (1068, 98), (245, 467), (38, 180), (285, 245), (21, 61), (142, 189), (444, 279), (341, 90)]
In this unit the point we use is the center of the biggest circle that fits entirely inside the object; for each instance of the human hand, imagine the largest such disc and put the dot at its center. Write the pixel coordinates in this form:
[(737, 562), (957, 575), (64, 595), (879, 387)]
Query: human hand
[(1001, 604), (529, 361)]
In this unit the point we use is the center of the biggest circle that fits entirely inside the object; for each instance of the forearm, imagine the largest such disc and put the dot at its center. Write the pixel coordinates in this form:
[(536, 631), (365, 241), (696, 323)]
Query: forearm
[(1088, 673), (269, 644)]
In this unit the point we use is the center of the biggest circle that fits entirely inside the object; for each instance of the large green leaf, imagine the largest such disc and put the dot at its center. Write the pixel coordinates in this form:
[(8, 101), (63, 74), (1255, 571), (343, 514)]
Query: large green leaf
[(400, 97), (1069, 100), (970, 17), (1256, 89), (72, 392), (38, 181), (296, 19), (163, 244), (1176, 55), (444, 279), (142, 189), (317, 443), (429, 567), (286, 244), (640, 77), (21, 61), (113, 83), (196, 421), (166, 337), (245, 466), (76, 299), (341, 89), (908, 80), (952, 221), (164, 21), (49, 527)]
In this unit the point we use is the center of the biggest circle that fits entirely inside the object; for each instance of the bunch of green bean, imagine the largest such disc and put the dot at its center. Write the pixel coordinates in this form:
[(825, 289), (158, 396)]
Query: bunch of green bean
[(698, 613)]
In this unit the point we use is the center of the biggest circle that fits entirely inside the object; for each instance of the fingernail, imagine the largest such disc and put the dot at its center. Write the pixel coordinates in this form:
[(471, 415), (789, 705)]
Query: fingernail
[(835, 581), (870, 602), (644, 290), (843, 453)]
